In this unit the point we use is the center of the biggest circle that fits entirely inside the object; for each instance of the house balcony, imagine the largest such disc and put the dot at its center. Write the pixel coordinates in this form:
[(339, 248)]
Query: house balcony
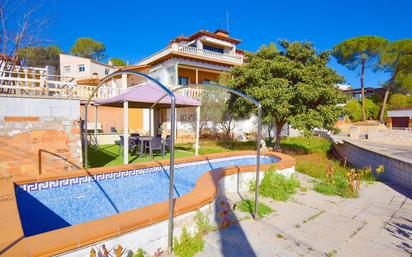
[(196, 53)]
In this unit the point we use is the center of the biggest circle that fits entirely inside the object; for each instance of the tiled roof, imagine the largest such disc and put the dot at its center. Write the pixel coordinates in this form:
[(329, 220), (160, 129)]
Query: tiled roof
[(205, 33)]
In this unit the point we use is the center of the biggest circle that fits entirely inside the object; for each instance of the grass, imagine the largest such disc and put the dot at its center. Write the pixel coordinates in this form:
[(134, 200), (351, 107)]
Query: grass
[(248, 206), (107, 155), (276, 186)]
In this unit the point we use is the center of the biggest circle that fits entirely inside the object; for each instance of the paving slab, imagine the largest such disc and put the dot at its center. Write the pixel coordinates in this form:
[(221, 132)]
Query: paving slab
[(378, 223)]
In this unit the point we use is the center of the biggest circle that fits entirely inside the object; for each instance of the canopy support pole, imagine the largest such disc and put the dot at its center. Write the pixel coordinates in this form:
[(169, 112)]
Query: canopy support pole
[(125, 132), (95, 127), (258, 137), (197, 130), (172, 171)]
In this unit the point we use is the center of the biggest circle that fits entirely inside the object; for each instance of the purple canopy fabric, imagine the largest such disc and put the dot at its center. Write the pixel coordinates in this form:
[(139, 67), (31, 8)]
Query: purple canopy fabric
[(145, 95)]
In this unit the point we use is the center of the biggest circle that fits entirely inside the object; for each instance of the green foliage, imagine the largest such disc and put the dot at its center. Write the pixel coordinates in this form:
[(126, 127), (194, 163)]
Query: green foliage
[(399, 100), (397, 59), (352, 52), (203, 224), (294, 85), (339, 185), (353, 109), (140, 253), (188, 245), (118, 62), (276, 186), (247, 205), (371, 109), (89, 48), (40, 56)]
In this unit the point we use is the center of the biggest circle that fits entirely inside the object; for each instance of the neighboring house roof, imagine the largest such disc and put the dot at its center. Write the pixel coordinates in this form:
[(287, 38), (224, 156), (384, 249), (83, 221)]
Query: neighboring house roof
[(94, 61), (206, 33), (400, 113), (91, 81)]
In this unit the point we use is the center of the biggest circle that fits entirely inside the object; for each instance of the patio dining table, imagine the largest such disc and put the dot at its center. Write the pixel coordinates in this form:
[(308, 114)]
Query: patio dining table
[(143, 140)]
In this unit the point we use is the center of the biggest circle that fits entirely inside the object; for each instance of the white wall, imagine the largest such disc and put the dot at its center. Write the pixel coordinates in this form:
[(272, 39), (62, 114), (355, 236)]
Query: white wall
[(90, 67)]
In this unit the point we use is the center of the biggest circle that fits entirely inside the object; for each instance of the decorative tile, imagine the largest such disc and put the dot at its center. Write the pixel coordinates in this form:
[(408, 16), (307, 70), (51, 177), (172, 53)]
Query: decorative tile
[(37, 186)]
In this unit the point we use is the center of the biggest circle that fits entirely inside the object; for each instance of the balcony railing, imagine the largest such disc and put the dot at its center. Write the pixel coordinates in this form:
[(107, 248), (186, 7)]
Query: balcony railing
[(84, 91), (180, 48), (206, 53), (36, 83)]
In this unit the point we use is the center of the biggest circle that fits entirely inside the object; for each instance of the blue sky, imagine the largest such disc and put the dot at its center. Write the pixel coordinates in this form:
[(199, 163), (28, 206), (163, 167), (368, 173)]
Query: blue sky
[(132, 30)]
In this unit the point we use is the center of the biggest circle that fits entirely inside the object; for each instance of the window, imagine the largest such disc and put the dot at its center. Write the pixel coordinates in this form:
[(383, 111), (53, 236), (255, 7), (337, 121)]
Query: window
[(183, 81), (213, 49), (66, 69), (81, 68), (106, 71)]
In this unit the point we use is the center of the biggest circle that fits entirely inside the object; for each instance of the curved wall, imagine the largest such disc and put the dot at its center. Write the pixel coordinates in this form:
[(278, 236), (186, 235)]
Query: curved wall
[(395, 170)]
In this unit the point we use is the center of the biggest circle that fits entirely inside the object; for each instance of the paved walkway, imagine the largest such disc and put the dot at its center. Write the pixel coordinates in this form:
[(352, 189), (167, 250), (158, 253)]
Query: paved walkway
[(404, 152), (378, 223)]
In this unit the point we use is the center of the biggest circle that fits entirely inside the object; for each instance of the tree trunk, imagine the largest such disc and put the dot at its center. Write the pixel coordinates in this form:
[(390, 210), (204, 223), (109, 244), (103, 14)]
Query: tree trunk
[(270, 127), (385, 99), (276, 146), (363, 89)]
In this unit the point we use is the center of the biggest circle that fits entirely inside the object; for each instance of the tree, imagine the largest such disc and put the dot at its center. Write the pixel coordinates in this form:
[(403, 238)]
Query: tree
[(20, 26), (399, 100), (396, 59), (353, 110), (359, 51), (89, 48), (40, 56), (293, 85), (118, 62)]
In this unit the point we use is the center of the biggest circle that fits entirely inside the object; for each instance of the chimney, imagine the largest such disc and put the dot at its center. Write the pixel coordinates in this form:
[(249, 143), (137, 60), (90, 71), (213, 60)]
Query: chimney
[(222, 33)]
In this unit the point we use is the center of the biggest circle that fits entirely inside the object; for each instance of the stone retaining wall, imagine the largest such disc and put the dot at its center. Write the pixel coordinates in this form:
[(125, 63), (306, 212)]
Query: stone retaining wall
[(395, 170)]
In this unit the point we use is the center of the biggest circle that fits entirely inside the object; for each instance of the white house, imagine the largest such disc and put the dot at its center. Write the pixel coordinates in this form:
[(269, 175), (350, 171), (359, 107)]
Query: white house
[(83, 68)]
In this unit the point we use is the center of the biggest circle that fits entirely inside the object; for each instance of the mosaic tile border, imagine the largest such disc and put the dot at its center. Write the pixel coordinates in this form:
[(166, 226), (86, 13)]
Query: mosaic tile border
[(120, 174)]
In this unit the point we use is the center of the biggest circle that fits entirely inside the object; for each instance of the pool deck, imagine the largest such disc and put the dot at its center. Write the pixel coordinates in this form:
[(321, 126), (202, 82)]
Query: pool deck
[(378, 223), (14, 243)]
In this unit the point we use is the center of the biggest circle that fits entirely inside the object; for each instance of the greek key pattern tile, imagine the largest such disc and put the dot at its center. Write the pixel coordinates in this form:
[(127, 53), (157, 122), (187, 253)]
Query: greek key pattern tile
[(116, 175)]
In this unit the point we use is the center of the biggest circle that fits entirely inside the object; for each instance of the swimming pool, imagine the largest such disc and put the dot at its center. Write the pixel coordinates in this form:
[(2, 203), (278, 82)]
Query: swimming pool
[(50, 205)]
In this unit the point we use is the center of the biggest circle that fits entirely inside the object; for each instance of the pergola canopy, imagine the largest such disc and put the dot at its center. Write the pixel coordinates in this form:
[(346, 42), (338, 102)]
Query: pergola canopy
[(144, 95)]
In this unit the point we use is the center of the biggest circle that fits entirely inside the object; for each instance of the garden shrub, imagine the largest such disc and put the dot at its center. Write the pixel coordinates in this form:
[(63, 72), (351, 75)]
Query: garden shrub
[(276, 186), (188, 245)]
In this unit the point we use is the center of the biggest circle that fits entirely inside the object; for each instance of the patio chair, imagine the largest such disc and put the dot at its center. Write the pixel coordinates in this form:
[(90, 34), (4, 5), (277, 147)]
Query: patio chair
[(167, 143), (132, 145), (157, 145)]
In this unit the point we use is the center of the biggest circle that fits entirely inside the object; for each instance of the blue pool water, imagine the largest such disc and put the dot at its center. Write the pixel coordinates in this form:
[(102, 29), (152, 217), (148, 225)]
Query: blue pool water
[(63, 205)]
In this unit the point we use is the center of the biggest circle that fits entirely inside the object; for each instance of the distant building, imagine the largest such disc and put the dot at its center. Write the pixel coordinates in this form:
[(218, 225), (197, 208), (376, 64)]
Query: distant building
[(81, 68), (369, 91), (400, 117)]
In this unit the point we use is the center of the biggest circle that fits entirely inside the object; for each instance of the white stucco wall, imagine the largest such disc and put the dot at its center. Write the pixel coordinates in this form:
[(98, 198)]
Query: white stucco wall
[(90, 67)]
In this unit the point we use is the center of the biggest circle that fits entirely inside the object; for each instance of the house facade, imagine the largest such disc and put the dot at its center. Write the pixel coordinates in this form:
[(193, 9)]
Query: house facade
[(198, 59), (83, 68)]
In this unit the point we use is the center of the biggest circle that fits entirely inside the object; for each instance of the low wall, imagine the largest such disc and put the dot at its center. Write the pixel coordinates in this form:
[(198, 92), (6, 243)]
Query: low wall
[(38, 129), (395, 169)]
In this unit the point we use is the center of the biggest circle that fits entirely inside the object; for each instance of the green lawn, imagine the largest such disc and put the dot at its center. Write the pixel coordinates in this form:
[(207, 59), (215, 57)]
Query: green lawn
[(107, 155)]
